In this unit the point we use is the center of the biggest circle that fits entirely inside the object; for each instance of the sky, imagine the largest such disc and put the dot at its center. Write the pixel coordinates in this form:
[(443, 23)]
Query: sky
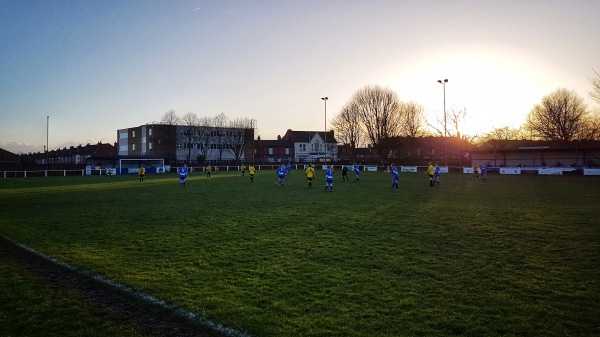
[(75, 71)]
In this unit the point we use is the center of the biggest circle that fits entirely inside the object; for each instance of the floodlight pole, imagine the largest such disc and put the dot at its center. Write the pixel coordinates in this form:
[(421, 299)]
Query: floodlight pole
[(445, 128), (47, 137), (325, 100)]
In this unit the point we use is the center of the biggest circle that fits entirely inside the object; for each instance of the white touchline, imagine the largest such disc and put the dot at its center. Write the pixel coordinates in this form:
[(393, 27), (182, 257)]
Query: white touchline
[(140, 295)]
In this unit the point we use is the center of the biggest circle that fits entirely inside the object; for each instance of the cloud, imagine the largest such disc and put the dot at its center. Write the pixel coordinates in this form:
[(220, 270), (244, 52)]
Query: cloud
[(25, 147), (21, 147)]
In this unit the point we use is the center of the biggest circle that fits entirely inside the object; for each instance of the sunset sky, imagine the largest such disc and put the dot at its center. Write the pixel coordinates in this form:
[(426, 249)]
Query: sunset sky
[(96, 66)]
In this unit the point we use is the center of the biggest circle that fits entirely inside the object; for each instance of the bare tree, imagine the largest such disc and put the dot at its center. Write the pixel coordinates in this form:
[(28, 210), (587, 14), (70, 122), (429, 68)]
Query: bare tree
[(438, 127), (450, 126), (595, 92), (379, 109), (591, 128), (170, 118), (242, 135), (220, 123), (499, 138), (560, 116), (453, 121), (348, 129), (190, 133), (413, 125), (413, 122), (205, 137), (170, 137)]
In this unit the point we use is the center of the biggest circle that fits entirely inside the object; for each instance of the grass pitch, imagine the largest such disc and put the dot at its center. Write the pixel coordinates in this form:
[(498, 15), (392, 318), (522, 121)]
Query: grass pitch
[(514, 256)]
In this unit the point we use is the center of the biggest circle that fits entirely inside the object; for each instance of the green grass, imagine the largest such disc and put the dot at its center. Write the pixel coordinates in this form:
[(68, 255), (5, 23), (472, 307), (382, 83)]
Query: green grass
[(33, 307), (516, 256)]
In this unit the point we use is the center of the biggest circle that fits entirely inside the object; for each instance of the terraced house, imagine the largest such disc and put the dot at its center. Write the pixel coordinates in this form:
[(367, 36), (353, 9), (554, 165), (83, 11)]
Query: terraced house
[(298, 147)]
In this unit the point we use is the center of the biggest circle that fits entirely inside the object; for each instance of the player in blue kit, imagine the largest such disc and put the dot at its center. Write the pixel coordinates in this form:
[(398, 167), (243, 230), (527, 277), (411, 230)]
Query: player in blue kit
[(329, 178), (436, 174), (483, 170), (183, 172), (356, 169), (395, 176), (281, 174)]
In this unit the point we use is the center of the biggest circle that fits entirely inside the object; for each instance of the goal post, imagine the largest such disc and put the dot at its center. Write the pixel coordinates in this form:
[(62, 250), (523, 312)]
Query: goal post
[(130, 165)]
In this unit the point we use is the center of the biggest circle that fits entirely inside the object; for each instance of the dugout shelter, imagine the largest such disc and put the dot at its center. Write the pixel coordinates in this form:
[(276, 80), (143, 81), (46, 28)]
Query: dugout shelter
[(538, 154)]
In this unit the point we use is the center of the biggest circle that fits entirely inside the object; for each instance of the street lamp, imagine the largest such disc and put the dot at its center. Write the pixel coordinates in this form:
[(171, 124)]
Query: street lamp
[(47, 137), (325, 100), (443, 83)]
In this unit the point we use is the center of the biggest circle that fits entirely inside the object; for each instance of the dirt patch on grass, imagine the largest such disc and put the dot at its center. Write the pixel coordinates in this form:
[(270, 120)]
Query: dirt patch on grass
[(148, 318)]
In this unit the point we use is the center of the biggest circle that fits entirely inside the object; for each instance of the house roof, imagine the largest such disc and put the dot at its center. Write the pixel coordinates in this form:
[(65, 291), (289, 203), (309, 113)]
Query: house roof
[(307, 136), (8, 157), (276, 143)]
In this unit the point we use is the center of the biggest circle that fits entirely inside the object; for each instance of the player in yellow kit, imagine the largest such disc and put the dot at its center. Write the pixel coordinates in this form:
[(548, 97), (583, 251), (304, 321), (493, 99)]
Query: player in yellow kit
[(475, 171), (142, 174), (310, 174), (430, 174), (251, 170)]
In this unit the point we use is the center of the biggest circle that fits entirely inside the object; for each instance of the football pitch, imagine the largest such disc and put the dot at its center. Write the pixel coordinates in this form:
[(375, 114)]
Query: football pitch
[(513, 256)]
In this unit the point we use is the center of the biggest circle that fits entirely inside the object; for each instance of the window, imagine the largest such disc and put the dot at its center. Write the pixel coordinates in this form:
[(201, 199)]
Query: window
[(150, 146), (302, 147), (123, 148), (133, 134), (287, 150), (150, 132), (132, 147), (123, 135), (270, 150), (179, 146), (316, 146)]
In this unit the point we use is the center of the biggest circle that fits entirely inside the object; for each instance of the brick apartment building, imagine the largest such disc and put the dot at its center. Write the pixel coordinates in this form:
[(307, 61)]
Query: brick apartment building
[(190, 144)]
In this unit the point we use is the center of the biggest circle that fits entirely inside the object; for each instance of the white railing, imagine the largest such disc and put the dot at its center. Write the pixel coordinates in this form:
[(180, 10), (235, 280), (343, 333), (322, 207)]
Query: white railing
[(42, 173)]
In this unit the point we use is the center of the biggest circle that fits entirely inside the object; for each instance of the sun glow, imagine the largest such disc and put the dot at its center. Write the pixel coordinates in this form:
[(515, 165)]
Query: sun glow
[(496, 90)]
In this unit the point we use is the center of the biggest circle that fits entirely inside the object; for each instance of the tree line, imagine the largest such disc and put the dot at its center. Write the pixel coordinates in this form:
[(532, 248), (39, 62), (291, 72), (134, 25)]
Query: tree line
[(377, 116)]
